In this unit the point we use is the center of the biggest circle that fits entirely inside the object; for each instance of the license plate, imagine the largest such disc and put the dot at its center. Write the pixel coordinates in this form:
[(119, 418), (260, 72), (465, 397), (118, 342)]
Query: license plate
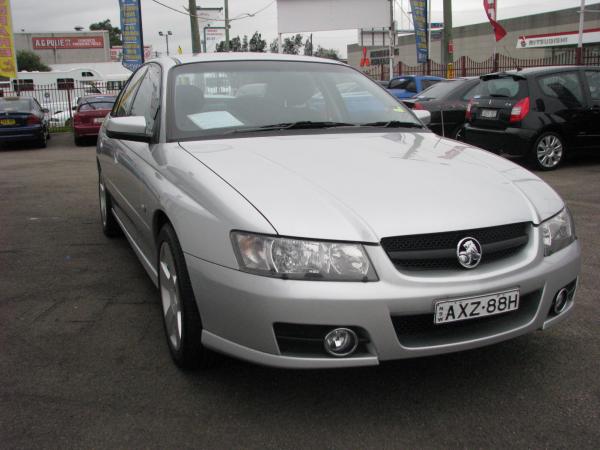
[(488, 113), (7, 122), (99, 120), (447, 311)]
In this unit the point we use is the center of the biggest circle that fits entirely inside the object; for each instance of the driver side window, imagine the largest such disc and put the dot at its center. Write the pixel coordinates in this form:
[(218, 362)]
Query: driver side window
[(147, 98)]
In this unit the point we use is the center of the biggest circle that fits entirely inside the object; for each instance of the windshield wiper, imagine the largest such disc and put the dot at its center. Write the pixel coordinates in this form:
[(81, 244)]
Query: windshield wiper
[(392, 124), (304, 124)]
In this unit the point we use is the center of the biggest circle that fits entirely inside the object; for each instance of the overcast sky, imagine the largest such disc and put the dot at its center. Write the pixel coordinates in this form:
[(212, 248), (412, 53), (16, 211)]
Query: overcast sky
[(63, 15)]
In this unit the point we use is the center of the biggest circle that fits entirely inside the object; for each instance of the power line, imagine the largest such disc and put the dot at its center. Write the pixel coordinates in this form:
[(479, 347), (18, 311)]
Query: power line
[(240, 17)]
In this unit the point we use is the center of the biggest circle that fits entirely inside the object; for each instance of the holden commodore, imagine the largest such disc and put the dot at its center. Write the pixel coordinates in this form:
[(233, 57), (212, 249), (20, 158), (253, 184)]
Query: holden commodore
[(293, 213)]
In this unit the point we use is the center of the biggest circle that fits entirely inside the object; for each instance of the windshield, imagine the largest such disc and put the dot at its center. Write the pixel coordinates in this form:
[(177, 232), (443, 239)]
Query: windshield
[(15, 105), (220, 98)]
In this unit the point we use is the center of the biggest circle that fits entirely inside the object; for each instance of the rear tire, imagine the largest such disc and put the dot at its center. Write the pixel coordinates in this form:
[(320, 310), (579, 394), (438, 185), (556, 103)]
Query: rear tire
[(181, 318), (548, 151), (78, 140), (43, 140), (110, 226), (459, 134)]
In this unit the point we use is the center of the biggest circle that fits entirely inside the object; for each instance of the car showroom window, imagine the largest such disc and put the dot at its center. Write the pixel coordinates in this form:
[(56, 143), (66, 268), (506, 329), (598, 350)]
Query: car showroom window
[(593, 81), (147, 98), (565, 87), (125, 100)]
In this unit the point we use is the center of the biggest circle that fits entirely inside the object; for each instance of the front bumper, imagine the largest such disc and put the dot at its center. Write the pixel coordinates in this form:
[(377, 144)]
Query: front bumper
[(239, 310), (510, 141)]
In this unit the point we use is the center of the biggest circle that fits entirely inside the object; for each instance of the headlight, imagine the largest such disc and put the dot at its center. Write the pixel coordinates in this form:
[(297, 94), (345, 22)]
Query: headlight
[(558, 232), (301, 259)]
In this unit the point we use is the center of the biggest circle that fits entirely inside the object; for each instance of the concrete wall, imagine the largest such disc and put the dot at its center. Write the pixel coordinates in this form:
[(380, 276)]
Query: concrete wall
[(24, 41), (477, 41)]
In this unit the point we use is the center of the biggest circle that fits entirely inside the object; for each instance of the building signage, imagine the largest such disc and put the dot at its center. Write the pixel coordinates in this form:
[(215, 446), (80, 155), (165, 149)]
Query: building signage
[(116, 52), (8, 67), (558, 39), (419, 13), (49, 43), (212, 37), (131, 31)]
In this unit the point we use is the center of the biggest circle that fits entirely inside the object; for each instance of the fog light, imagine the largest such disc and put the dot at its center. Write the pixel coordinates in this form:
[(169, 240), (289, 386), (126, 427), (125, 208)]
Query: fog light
[(560, 301), (340, 342)]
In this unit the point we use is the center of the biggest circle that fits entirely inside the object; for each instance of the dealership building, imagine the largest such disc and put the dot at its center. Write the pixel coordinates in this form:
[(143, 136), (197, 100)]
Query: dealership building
[(66, 47), (534, 36)]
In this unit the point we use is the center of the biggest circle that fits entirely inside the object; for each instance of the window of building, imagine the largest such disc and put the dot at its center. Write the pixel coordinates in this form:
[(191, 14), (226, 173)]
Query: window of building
[(65, 83)]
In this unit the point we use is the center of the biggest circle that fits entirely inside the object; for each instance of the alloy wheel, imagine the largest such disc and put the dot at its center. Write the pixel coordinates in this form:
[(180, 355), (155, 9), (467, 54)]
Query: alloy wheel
[(169, 293), (549, 151)]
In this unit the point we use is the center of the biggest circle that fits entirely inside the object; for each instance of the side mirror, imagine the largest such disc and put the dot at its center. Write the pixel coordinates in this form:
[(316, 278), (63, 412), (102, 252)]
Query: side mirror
[(74, 108), (131, 128), (423, 115)]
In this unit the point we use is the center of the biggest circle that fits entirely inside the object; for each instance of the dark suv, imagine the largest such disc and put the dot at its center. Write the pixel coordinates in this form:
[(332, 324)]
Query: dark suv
[(538, 113)]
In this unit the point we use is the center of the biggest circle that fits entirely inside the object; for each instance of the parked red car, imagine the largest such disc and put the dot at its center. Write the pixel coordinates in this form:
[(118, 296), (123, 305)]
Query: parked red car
[(91, 111)]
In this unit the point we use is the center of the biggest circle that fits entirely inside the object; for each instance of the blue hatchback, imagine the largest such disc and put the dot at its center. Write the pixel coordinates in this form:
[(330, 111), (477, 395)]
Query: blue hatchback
[(23, 119), (407, 86)]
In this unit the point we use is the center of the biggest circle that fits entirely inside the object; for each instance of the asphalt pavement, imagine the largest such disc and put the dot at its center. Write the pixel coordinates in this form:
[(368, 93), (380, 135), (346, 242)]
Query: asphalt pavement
[(84, 362)]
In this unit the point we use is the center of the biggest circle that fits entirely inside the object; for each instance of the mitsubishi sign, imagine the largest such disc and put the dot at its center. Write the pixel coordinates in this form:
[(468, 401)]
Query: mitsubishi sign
[(558, 39)]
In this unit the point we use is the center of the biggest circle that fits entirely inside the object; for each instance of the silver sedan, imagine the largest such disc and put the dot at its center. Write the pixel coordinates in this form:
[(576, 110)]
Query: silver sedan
[(293, 213)]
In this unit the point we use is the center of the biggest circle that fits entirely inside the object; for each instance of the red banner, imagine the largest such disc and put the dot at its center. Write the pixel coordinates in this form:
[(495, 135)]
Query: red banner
[(70, 43), (491, 6)]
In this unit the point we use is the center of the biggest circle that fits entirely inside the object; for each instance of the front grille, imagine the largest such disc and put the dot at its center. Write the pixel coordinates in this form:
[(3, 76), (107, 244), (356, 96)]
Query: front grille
[(421, 331), (437, 251)]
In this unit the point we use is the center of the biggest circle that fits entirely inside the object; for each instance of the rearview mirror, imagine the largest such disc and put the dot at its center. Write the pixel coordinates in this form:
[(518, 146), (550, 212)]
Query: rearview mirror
[(423, 115), (131, 128)]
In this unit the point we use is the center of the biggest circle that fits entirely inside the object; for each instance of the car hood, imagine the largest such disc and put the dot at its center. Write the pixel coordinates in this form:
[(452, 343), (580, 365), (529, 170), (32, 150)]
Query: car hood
[(363, 187)]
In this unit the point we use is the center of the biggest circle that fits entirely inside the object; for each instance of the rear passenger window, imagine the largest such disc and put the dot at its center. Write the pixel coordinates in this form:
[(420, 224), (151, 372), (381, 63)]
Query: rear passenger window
[(564, 87), (593, 81)]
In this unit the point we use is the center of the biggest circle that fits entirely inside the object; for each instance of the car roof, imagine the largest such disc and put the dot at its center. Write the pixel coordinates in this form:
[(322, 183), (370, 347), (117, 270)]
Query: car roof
[(243, 56), (85, 97), (527, 71)]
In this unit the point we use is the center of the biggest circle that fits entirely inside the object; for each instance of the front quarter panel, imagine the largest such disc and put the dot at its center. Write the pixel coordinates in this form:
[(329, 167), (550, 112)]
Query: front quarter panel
[(201, 206)]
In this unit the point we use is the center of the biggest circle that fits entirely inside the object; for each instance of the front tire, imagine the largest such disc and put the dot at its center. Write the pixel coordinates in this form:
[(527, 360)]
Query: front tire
[(110, 226), (43, 140), (181, 318), (548, 151)]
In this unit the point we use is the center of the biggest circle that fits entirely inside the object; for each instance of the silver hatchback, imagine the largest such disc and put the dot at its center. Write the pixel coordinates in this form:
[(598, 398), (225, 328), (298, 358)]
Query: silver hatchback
[(293, 213)]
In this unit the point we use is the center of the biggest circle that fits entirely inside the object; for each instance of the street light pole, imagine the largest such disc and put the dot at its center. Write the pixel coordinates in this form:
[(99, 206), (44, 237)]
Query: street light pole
[(448, 56), (166, 35)]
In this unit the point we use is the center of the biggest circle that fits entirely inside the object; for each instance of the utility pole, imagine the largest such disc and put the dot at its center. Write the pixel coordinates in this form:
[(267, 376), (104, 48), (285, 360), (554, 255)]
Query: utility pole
[(226, 25), (447, 54), (193, 10)]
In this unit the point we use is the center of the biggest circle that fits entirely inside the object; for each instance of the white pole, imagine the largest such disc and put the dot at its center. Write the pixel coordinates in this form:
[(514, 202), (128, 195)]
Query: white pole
[(392, 39), (280, 43), (428, 29), (581, 20)]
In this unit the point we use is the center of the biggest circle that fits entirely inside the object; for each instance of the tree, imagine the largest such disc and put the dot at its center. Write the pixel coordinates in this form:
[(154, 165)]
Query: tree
[(29, 61), (274, 46), (245, 43), (235, 44), (292, 46), (114, 33), (257, 44), (330, 53)]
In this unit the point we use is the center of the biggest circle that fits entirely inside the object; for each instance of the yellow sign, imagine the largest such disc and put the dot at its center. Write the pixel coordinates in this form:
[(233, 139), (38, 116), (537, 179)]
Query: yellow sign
[(180, 50), (8, 66)]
